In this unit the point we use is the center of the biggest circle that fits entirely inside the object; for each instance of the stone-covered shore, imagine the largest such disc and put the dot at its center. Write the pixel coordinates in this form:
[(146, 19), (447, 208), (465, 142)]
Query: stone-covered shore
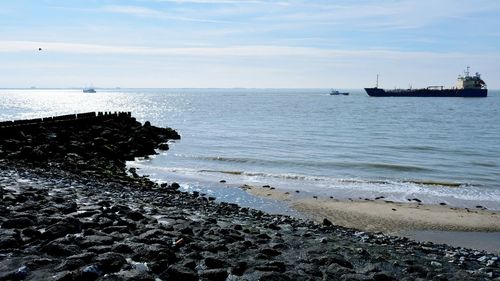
[(69, 210)]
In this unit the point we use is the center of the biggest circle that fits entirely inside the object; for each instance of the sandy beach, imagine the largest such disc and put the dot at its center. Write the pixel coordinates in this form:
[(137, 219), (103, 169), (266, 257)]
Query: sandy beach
[(388, 217)]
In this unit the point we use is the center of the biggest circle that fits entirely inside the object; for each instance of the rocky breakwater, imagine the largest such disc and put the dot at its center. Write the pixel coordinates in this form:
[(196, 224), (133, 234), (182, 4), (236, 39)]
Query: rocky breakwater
[(71, 213), (89, 144)]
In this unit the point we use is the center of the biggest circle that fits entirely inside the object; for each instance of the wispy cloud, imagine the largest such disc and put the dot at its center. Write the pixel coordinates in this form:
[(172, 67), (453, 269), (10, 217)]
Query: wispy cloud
[(153, 13), (399, 14), (231, 51), (226, 2)]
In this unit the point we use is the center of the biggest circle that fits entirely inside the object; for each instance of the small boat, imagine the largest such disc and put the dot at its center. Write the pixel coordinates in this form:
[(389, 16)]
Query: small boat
[(337, 93), (89, 90)]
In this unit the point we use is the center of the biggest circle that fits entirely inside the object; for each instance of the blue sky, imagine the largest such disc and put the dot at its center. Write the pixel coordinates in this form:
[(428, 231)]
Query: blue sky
[(252, 43)]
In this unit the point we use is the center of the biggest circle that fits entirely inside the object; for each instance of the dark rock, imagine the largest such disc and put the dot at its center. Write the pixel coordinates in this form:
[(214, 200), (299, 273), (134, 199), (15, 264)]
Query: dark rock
[(327, 222), (95, 240), (270, 268), (91, 272), (270, 252), (19, 274), (273, 226), (214, 263), (32, 233), (66, 226), (57, 248), (239, 268), (264, 236), (122, 248), (383, 276), (163, 146), (355, 277), (8, 243), (219, 274), (21, 222), (419, 270), (135, 215), (189, 264), (274, 277), (154, 252), (64, 276), (335, 271), (336, 259), (110, 262), (179, 273), (70, 264)]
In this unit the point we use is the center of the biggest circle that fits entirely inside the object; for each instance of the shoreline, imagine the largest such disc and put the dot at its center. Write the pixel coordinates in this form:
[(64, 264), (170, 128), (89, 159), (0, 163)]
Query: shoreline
[(71, 211), (396, 218)]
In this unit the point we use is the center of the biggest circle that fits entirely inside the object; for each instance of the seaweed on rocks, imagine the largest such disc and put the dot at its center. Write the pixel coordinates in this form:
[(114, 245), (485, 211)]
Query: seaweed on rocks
[(71, 212)]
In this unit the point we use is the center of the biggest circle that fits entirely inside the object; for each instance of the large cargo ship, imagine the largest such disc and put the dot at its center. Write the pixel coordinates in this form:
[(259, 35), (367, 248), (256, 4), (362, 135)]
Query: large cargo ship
[(467, 87)]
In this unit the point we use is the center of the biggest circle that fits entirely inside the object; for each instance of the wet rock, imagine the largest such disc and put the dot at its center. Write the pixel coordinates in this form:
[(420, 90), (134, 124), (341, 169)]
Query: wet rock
[(270, 252), (383, 276), (327, 222), (355, 277), (31, 233), (8, 243), (163, 146), (335, 272), (95, 240), (57, 248), (274, 266), (214, 263), (21, 222), (239, 268), (219, 274), (66, 226), (179, 273), (110, 262), (91, 272), (274, 277)]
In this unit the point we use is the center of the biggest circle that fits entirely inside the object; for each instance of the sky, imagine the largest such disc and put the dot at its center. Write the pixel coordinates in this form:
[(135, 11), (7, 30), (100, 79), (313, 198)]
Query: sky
[(247, 43)]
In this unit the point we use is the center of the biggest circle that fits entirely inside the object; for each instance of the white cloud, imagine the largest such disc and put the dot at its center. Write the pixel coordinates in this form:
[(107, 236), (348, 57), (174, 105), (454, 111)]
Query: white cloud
[(399, 14), (147, 12), (226, 2), (231, 51)]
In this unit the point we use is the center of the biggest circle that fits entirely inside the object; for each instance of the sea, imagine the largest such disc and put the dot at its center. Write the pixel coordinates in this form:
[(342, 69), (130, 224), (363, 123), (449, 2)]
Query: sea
[(436, 150)]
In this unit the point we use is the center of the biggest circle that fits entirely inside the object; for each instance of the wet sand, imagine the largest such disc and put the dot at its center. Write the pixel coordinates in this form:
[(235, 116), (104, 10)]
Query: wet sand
[(487, 241), (389, 217)]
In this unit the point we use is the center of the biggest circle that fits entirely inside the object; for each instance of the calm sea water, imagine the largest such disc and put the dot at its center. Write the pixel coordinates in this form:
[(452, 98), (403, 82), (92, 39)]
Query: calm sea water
[(434, 149)]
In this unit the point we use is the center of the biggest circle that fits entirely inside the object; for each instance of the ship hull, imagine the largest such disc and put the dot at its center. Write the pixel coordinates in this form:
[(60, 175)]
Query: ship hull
[(462, 93)]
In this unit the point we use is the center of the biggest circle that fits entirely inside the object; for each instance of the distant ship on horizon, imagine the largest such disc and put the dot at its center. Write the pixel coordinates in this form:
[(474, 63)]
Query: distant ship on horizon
[(337, 93), (89, 90), (467, 87)]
